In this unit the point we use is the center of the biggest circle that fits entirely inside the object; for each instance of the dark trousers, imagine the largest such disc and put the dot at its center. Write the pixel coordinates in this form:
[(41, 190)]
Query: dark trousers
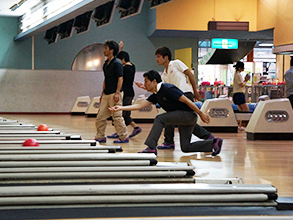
[(198, 131), (127, 100), (186, 121), (291, 100)]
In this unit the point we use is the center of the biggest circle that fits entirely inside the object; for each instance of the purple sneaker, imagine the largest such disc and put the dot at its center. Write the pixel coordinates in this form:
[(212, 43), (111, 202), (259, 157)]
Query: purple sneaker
[(115, 135), (217, 146), (119, 141), (136, 131), (165, 146), (101, 140), (211, 137), (149, 150)]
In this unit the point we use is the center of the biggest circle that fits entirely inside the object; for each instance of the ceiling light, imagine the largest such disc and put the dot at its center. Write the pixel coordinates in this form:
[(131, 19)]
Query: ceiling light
[(16, 6), (266, 45), (13, 7)]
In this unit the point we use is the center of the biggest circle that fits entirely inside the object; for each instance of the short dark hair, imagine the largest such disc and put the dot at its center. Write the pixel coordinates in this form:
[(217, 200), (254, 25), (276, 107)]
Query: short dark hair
[(164, 51), (291, 61), (112, 46), (153, 74), (239, 64), (123, 55)]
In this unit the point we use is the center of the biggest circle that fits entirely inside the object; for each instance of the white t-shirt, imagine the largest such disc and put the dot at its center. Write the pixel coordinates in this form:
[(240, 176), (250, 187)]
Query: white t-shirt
[(289, 81), (238, 79), (175, 75)]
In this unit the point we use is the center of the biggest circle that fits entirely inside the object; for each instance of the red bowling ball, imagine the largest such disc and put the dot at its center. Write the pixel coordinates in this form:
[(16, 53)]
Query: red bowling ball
[(43, 127), (205, 83), (30, 143)]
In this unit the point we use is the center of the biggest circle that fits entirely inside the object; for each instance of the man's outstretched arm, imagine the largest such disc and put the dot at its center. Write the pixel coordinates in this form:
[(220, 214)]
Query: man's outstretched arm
[(134, 107)]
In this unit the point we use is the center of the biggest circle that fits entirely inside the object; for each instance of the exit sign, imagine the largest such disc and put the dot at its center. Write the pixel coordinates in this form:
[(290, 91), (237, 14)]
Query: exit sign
[(220, 43)]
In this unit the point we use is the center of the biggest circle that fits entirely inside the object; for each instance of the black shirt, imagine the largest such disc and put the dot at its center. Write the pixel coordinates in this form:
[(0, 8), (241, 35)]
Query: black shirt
[(111, 73), (128, 78), (168, 98)]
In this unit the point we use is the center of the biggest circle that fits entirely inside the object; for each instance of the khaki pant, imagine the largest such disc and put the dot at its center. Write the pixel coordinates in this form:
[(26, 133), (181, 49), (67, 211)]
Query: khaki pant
[(101, 120)]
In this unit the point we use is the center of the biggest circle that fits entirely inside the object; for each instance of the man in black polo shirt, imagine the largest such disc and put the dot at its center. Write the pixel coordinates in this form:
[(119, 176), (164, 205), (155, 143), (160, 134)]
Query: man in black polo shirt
[(180, 111), (111, 95)]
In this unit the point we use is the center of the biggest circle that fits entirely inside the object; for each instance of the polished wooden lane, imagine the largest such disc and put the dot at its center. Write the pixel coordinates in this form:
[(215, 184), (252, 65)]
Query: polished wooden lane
[(256, 162)]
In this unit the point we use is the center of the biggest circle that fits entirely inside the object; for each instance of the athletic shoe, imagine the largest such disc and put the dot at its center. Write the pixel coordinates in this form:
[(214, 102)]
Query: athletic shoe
[(241, 128), (115, 135), (217, 146), (135, 131), (119, 141), (149, 150), (211, 137), (101, 140), (165, 146)]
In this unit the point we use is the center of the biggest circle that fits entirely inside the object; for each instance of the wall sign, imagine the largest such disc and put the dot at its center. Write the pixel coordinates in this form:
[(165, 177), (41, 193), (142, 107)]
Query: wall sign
[(220, 43)]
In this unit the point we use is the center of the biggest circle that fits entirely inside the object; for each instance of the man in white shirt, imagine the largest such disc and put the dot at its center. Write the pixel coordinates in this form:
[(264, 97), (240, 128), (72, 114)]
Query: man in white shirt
[(289, 82), (178, 74)]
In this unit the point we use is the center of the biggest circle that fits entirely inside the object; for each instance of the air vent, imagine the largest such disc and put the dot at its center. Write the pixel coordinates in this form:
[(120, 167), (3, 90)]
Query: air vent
[(228, 26)]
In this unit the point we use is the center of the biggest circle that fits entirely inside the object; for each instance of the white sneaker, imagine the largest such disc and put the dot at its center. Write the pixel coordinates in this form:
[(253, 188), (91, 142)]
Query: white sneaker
[(241, 128)]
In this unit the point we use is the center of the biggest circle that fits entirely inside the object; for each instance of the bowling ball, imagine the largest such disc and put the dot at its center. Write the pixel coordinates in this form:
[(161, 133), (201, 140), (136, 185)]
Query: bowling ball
[(205, 83), (43, 127), (219, 83), (30, 143)]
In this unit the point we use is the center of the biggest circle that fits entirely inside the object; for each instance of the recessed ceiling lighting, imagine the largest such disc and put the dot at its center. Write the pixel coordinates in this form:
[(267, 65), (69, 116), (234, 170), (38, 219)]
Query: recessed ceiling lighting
[(266, 45), (13, 7)]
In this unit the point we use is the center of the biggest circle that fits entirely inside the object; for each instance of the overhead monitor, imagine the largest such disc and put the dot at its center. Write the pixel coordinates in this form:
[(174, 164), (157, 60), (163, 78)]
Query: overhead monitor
[(221, 43), (103, 13), (82, 22), (155, 3), (65, 29), (128, 8), (51, 35), (124, 5)]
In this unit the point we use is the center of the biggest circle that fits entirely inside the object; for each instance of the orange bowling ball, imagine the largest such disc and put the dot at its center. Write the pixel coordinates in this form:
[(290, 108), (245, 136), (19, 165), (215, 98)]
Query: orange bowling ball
[(30, 143), (43, 127)]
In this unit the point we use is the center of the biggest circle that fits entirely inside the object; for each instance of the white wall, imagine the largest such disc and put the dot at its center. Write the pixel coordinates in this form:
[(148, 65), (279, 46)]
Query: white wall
[(49, 91)]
